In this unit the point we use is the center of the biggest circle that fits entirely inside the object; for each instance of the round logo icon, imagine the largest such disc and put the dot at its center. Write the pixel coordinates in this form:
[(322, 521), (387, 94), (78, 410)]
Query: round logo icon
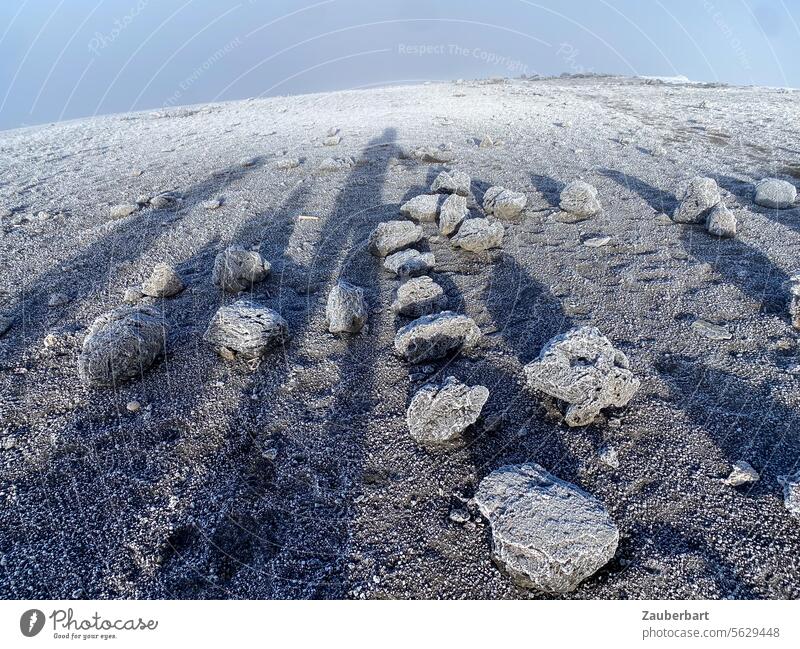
[(31, 622)]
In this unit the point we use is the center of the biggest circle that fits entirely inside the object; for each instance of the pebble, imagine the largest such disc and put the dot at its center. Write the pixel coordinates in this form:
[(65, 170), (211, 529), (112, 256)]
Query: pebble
[(742, 473), (287, 163), (163, 282), (58, 299), (711, 331), (134, 406), (579, 198), (596, 242), (123, 210), (212, 204), (791, 493), (775, 193), (721, 222)]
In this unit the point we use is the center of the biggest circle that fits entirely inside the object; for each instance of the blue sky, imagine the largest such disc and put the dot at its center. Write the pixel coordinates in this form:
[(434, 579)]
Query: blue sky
[(63, 59)]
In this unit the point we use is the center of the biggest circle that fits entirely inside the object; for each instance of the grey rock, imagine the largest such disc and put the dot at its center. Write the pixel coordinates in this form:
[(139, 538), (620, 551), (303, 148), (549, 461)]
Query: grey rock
[(439, 414), (742, 473), (711, 331), (433, 336), (700, 195), (451, 182), (794, 299), (610, 457), (332, 140), (583, 369), (433, 154), (237, 269), (596, 242), (336, 164), (721, 222), (58, 299), (391, 236), (452, 214), (346, 310), (246, 330), (287, 163), (422, 208), (163, 282), (419, 296), (211, 204), (123, 210), (477, 235), (121, 345), (486, 142), (163, 201), (503, 203), (546, 533), (580, 199), (410, 263), (132, 295), (772, 192), (248, 162), (791, 493)]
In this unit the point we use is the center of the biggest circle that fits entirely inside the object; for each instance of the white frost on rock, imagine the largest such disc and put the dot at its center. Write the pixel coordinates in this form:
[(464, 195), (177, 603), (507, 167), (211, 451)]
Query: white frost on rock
[(700, 195), (439, 414), (163, 282), (583, 369), (452, 214), (791, 492), (390, 236), (721, 222), (503, 203), (580, 198), (346, 310), (422, 208), (433, 336), (451, 182), (742, 473), (419, 296), (236, 269), (546, 533), (775, 193), (410, 262), (477, 235), (245, 329)]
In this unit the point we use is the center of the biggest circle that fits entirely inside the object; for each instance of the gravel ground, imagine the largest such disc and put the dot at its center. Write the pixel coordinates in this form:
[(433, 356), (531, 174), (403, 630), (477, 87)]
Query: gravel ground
[(298, 478)]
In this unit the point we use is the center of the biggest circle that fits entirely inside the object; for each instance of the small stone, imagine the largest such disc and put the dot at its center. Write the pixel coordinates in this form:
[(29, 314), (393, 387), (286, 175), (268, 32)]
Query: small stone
[(422, 208), (459, 515), (121, 211), (246, 330), (451, 182), (331, 140), (391, 236), (775, 193), (486, 142), (596, 242), (583, 369), (711, 331), (333, 130), (58, 299), (452, 214), (132, 295), (410, 263), (163, 282), (50, 341), (742, 473), (237, 269), (287, 163), (721, 222), (791, 493), (212, 204), (503, 203), (439, 414), (133, 406), (163, 201), (477, 235), (419, 296), (546, 533), (700, 195), (579, 198), (794, 299), (121, 345), (609, 457), (434, 336), (346, 310), (248, 162), (433, 154), (336, 164)]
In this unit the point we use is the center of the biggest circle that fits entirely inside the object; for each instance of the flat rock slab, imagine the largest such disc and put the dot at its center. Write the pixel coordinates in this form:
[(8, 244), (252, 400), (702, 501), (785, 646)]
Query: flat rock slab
[(121, 345), (439, 414), (433, 336), (583, 369), (246, 329), (547, 534), (711, 331)]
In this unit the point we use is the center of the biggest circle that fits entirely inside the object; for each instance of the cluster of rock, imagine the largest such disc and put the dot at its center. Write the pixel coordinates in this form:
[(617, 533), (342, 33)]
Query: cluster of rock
[(701, 203)]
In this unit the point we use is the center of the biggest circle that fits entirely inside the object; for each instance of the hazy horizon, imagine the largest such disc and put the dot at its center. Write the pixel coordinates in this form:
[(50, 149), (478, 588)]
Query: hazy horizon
[(64, 60)]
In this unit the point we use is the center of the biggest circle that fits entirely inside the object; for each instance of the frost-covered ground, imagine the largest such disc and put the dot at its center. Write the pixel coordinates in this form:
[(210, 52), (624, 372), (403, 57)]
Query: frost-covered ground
[(299, 478)]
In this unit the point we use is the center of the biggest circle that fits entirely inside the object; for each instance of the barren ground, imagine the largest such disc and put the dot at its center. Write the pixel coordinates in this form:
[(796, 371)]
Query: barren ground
[(299, 478)]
